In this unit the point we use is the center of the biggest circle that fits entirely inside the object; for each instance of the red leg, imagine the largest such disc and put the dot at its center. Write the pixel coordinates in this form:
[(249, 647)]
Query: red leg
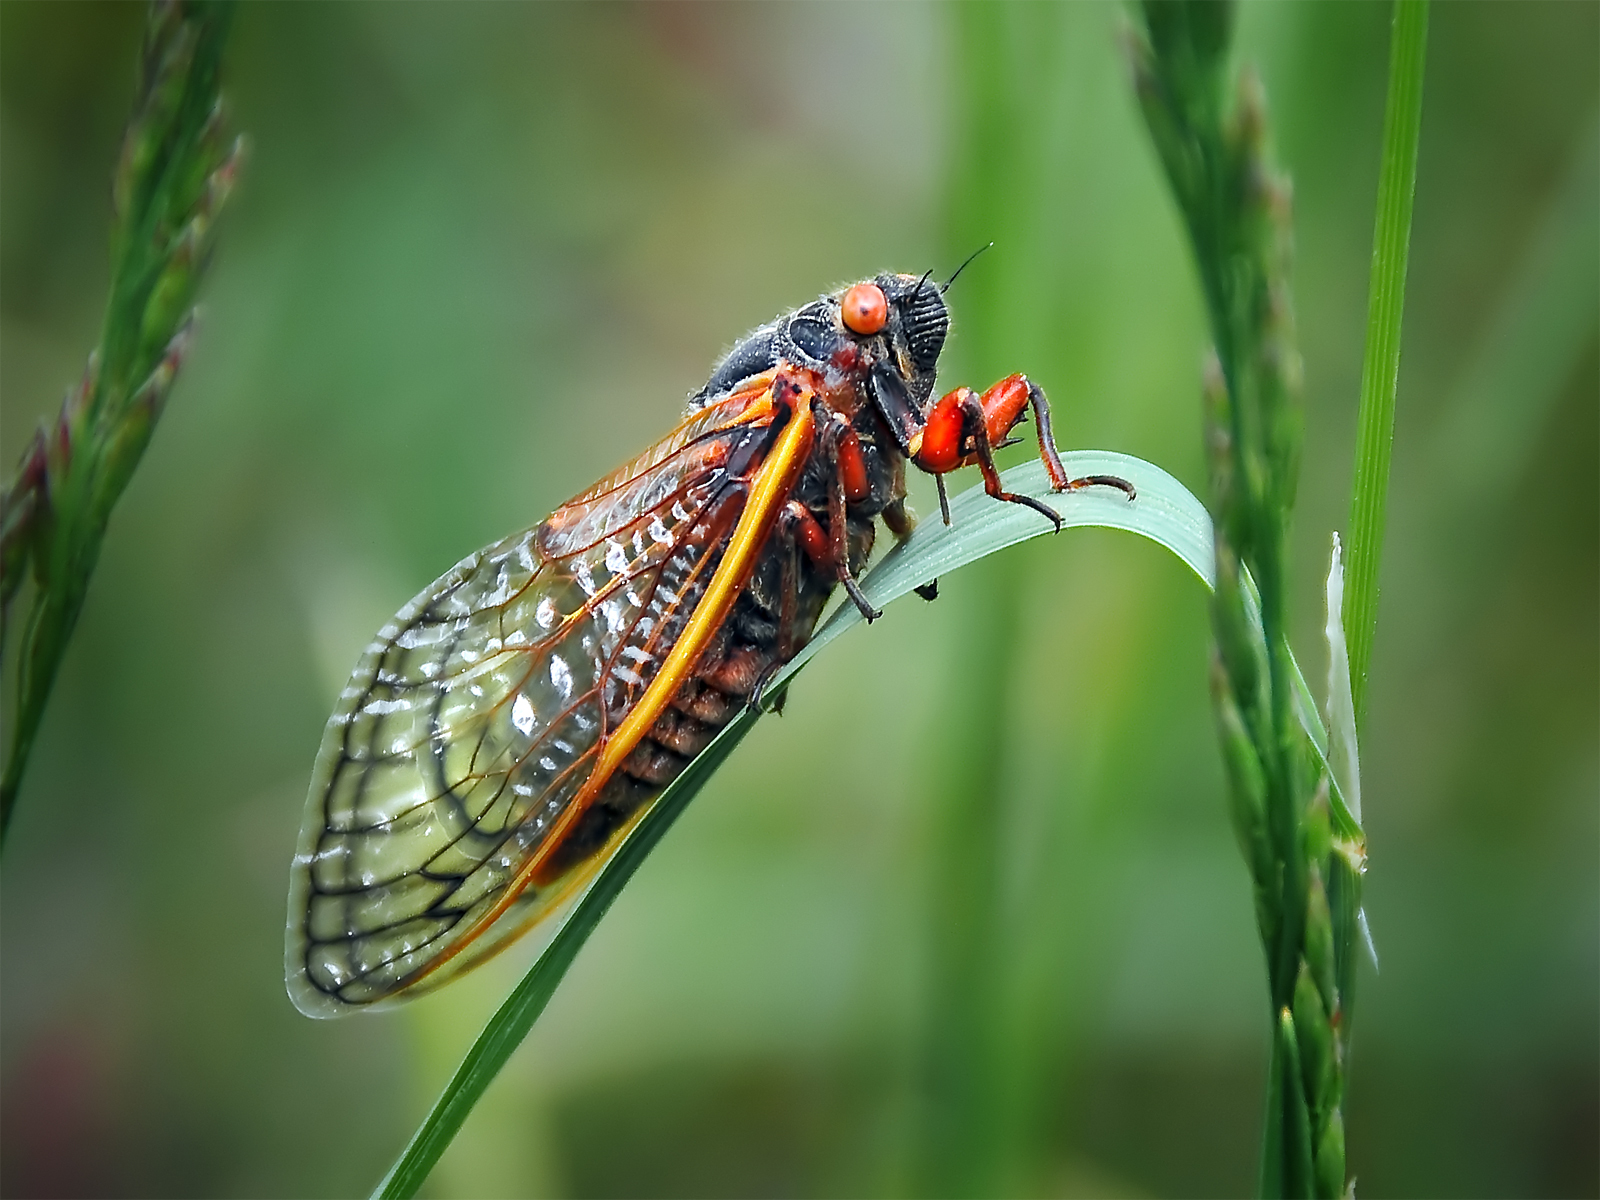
[(798, 531), (936, 447), (828, 548), (1052, 460), (1003, 407), (835, 437), (950, 438), (853, 467), (788, 586), (972, 407), (808, 533)]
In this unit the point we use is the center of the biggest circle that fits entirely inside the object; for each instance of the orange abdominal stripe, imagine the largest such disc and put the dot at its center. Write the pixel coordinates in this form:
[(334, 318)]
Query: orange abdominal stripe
[(769, 490)]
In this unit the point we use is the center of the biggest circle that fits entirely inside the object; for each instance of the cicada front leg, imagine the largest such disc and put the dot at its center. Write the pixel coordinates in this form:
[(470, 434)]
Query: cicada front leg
[(798, 534), (827, 546), (964, 428), (796, 527), (846, 469)]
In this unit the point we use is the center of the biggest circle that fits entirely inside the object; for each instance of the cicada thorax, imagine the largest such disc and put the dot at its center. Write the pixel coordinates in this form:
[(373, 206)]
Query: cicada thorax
[(776, 610)]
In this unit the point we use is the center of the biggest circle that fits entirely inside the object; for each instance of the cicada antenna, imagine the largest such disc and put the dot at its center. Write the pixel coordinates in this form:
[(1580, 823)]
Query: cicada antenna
[(963, 266)]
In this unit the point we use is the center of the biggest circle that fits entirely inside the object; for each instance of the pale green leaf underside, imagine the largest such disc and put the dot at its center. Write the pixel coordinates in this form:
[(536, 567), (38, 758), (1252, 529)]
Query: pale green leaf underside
[(1165, 512)]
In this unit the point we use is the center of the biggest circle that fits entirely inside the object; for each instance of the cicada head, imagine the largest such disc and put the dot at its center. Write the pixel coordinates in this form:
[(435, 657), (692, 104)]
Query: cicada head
[(906, 319), (901, 319), (920, 320), (886, 333)]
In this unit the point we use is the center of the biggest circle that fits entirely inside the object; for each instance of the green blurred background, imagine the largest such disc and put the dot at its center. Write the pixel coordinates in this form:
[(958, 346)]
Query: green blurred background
[(479, 256)]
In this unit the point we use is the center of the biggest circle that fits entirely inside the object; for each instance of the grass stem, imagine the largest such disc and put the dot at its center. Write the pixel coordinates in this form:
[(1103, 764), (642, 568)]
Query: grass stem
[(1304, 846), (176, 170)]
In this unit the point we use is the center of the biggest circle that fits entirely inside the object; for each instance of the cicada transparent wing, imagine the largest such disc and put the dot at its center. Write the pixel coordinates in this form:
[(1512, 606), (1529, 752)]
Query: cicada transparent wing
[(479, 712)]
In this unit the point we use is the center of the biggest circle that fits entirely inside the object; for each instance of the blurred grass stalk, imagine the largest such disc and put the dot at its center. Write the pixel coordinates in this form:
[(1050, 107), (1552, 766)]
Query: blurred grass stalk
[(1236, 210), (965, 1141), (176, 170), (1304, 847)]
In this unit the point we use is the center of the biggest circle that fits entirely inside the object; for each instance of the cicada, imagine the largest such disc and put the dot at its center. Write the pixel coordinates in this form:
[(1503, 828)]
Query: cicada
[(509, 727)]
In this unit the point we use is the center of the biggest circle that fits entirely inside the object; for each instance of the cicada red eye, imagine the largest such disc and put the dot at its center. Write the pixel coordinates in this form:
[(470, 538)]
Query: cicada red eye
[(865, 309)]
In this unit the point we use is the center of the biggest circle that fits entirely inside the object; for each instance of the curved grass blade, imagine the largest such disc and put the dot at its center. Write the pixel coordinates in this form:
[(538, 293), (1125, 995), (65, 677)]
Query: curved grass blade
[(1165, 512)]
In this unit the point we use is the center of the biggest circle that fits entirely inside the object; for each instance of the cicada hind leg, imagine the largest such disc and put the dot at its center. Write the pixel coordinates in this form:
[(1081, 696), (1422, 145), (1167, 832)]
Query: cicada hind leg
[(965, 427)]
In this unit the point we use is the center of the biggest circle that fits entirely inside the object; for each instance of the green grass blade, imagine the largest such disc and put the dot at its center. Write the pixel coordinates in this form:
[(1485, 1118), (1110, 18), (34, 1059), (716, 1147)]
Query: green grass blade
[(1166, 512), (1391, 240), (512, 1021)]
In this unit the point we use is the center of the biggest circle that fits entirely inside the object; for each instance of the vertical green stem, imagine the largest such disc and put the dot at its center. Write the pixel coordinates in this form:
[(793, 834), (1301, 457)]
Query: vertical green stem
[(1214, 144), (1391, 240), (176, 170), (1001, 54), (1218, 162), (961, 1051)]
